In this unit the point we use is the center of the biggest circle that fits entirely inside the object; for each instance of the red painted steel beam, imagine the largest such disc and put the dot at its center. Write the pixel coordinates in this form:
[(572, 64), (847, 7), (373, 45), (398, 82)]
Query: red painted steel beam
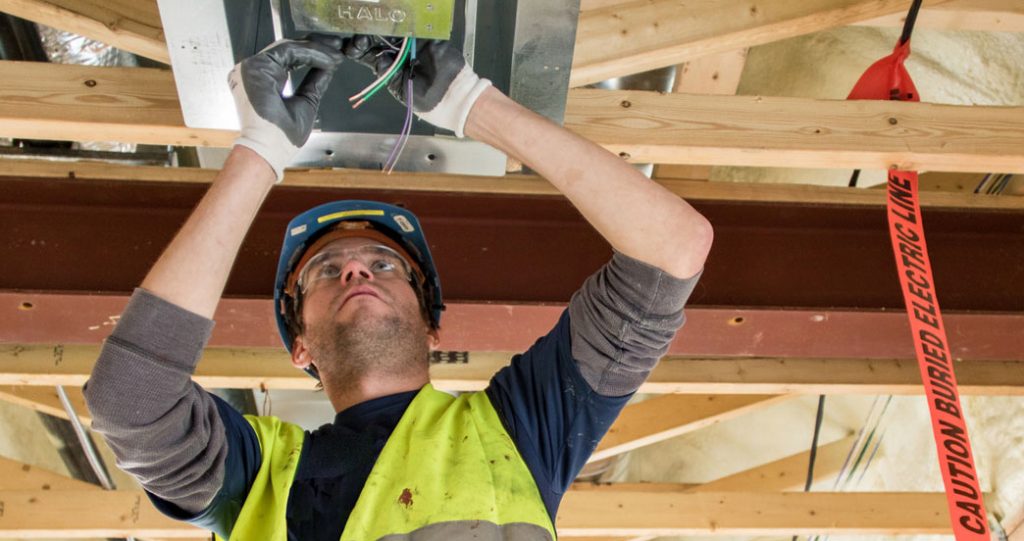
[(47, 318), (102, 236)]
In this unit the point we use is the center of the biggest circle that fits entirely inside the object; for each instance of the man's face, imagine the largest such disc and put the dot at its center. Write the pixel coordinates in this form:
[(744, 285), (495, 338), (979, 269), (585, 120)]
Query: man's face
[(346, 287), (359, 312)]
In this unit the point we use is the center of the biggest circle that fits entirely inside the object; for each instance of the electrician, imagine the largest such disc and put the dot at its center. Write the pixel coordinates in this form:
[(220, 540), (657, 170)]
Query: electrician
[(358, 302)]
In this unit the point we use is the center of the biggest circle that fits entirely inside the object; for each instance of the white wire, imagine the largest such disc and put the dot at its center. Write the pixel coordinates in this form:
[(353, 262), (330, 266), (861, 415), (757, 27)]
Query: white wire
[(385, 75), (95, 462)]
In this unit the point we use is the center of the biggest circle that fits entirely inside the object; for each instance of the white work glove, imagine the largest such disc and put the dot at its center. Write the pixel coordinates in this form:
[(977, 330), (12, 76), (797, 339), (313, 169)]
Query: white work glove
[(273, 126), (444, 86)]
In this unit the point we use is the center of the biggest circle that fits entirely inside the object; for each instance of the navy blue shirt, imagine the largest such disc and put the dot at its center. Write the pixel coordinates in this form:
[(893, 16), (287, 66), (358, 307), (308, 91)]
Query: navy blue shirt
[(551, 412)]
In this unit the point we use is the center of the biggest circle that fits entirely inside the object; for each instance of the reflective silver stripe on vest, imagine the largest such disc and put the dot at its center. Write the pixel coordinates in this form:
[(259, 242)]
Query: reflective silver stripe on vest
[(477, 530)]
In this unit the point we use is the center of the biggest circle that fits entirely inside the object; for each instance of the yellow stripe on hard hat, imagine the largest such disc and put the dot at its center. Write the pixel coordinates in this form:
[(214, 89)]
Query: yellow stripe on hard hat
[(348, 214)]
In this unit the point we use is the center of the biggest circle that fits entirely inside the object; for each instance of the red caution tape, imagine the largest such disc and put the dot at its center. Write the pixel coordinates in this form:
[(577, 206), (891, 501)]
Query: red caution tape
[(888, 79), (963, 495)]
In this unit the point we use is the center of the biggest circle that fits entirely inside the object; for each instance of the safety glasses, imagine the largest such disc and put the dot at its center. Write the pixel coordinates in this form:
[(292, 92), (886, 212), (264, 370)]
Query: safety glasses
[(326, 267)]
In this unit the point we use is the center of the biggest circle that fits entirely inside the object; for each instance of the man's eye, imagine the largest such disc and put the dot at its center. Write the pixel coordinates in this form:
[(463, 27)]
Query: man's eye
[(382, 265), (328, 270)]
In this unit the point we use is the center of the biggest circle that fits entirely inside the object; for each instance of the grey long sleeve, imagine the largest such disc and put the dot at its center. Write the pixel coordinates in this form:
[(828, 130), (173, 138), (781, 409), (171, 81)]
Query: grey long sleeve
[(163, 428), (623, 320)]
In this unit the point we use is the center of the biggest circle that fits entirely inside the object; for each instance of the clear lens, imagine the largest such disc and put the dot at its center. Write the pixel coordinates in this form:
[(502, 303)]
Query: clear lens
[(324, 267)]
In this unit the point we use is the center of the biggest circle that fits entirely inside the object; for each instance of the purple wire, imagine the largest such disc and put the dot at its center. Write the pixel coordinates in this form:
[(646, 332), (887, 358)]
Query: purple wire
[(406, 130)]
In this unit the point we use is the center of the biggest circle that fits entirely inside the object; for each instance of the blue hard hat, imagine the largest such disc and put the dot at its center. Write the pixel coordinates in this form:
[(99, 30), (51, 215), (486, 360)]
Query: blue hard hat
[(396, 223)]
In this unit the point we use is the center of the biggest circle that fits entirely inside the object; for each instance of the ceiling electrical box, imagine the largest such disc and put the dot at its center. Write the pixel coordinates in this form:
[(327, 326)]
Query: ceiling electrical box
[(425, 19), (524, 47)]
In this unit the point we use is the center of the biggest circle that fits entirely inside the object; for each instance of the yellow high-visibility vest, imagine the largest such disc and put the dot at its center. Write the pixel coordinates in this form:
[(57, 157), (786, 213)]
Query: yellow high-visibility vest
[(449, 471)]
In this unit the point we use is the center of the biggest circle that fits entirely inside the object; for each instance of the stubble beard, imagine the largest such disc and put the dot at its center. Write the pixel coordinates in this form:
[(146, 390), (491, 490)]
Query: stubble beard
[(387, 346)]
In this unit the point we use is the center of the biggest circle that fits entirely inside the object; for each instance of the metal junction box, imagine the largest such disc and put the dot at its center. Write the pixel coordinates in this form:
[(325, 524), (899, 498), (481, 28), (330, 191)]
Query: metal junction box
[(524, 47), (427, 19)]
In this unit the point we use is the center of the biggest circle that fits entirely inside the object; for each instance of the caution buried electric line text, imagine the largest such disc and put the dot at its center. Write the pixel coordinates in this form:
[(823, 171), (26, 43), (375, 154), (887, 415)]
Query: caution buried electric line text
[(934, 359)]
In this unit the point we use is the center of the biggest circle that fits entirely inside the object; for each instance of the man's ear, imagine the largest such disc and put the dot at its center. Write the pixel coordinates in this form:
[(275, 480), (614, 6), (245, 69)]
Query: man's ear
[(301, 356), (433, 339)]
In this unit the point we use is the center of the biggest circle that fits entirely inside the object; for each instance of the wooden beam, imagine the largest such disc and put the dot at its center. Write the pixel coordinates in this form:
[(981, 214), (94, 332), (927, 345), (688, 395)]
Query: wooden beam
[(649, 127), (666, 513), (130, 25), (77, 514), (507, 185), (269, 368), (16, 475), (43, 101), (786, 474), (665, 417), (83, 514), (88, 103), (980, 15), (627, 38), (45, 400), (717, 74)]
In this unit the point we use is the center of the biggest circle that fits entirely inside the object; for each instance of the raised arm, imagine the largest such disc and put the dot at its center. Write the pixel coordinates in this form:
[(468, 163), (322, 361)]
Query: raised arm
[(163, 428), (193, 270), (638, 217)]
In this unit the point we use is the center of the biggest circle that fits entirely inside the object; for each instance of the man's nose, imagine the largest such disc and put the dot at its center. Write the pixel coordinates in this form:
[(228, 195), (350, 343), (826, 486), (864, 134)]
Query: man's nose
[(354, 269)]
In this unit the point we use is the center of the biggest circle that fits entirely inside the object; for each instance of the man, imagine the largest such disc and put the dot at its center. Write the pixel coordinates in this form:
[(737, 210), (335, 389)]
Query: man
[(358, 303)]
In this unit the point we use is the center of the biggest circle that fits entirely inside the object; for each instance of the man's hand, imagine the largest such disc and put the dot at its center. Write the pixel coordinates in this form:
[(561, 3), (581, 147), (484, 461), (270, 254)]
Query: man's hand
[(273, 126), (444, 86)]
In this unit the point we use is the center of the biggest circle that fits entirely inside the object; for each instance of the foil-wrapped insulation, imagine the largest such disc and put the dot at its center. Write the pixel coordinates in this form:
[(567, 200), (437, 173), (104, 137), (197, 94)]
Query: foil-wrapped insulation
[(67, 48)]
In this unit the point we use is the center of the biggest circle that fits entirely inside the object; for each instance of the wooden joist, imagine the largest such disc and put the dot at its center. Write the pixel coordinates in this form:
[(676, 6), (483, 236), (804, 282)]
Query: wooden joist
[(71, 102), (670, 513), (977, 15), (39, 503), (785, 474), (269, 368), (508, 185), (717, 74), (668, 416), (16, 475), (45, 400), (649, 127), (608, 511), (130, 25), (41, 101), (633, 37)]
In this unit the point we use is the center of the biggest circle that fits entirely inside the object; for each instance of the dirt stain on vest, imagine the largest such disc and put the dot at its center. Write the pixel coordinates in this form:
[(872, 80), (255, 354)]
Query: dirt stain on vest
[(406, 498)]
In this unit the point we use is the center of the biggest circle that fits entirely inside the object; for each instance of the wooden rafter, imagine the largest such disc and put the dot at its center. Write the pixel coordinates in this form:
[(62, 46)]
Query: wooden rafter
[(785, 474), (269, 368), (130, 25), (16, 475), (649, 127), (606, 511), (507, 185), (140, 105), (717, 74), (633, 37), (45, 400), (668, 416), (979, 15)]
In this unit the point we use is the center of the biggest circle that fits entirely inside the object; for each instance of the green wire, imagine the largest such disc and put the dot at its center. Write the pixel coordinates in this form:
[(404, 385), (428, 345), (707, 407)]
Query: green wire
[(384, 83)]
